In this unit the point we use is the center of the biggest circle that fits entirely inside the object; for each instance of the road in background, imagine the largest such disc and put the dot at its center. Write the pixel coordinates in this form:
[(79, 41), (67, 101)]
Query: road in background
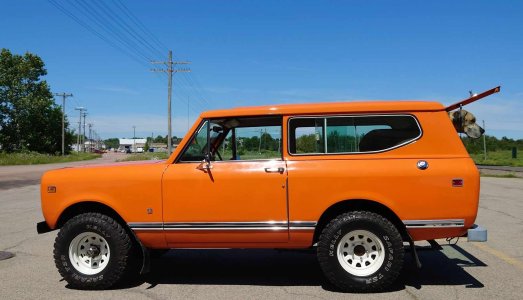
[(20, 176), (501, 170), (465, 270)]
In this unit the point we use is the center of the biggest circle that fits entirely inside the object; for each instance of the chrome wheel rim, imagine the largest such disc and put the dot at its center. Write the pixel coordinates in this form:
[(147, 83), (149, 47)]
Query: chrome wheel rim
[(89, 253), (361, 252)]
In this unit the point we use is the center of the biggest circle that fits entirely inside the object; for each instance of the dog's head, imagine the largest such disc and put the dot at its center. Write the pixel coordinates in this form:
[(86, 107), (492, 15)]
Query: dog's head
[(465, 122)]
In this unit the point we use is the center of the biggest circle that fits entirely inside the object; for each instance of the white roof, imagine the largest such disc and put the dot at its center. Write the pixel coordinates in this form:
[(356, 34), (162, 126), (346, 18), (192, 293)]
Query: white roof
[(132, 141)]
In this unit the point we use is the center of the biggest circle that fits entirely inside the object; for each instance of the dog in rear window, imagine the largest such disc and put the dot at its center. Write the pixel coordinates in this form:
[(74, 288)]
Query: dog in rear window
[(465, 122)]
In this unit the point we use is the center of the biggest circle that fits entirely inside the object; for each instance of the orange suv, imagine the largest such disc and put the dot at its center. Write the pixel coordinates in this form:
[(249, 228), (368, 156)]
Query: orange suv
[(355, 180)]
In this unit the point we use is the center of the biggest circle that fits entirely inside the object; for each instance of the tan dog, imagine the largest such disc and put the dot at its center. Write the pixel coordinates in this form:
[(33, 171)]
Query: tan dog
[(465, 122)]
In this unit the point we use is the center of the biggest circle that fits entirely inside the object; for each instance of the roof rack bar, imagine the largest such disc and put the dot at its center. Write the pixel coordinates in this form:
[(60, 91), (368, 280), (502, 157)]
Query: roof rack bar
[(473, 98)]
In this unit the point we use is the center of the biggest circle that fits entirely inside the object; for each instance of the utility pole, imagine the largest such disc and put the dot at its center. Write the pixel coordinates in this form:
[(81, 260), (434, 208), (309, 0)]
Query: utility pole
[(84, 114), (259, 145), (484, 143), (81, 109), (134, 138), (64, 96), (188, 115), (90, 138), (170, 70)]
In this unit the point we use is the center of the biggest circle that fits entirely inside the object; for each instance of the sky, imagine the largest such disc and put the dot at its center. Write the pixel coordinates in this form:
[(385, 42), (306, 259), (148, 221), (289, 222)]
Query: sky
[(246, 53)]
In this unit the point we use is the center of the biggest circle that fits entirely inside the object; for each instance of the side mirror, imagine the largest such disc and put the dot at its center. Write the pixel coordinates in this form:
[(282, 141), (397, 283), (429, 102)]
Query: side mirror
[(205, 164)]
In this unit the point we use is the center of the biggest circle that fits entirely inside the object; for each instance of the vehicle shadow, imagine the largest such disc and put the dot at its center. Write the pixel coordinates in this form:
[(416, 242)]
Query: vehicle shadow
[(297, 268)]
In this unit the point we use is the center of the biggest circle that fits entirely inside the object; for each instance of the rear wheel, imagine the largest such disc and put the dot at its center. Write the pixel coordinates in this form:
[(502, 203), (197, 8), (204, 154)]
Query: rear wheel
[(92, 251), (360, 251)]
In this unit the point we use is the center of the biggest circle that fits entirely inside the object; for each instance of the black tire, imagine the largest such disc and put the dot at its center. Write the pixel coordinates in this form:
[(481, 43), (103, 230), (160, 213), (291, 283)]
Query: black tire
[(116, 238), (344, 226)]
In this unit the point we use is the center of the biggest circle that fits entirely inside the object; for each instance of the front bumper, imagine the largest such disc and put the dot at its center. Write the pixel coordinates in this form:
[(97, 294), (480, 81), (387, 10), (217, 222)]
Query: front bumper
[(42, 227), (477, 234)]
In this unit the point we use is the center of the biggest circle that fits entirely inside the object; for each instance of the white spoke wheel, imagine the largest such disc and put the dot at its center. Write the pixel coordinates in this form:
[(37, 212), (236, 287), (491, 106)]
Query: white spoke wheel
[(89, 253), (360, 252), (93, 251)]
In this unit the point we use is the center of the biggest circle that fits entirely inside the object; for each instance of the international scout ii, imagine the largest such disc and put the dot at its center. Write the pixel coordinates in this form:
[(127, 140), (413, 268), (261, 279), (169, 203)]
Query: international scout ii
[(355, 180)]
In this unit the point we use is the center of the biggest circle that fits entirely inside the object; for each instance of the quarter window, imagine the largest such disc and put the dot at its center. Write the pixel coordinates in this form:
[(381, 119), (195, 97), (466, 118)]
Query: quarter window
[(351, 134)]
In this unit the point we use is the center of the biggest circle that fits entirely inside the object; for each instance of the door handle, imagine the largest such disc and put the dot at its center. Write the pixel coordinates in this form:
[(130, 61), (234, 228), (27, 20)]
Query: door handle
[(274, 170)]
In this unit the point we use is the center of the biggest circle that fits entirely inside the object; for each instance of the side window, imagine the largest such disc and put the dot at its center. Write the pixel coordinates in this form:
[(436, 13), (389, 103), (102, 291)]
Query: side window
[(355, 134), (308, 135), (257, 142), (344, 134), (198, 146), (235, 139)]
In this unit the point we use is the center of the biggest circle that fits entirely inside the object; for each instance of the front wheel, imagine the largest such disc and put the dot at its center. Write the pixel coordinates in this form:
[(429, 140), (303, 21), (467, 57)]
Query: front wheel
[(92, 251), (360, 251)]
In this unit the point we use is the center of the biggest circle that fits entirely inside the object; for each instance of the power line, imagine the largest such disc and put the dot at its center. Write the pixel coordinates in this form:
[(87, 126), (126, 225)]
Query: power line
[(131, 31), (94, 31), (114, 23), (140, 25), (112, 28), (106, 25)]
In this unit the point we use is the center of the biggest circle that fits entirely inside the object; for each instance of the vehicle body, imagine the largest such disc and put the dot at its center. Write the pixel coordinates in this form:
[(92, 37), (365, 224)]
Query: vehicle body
[(398, 169)]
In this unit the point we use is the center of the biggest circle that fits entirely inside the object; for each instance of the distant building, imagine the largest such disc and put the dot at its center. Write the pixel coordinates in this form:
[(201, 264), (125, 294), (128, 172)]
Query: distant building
[(134, 145)]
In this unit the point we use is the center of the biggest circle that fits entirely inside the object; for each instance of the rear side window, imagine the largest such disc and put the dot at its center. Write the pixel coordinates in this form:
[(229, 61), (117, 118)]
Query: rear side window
[(351, 134)]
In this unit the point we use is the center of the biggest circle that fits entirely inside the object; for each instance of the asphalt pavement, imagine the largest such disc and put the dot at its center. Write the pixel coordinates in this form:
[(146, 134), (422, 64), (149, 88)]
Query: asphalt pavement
[(464, 270)]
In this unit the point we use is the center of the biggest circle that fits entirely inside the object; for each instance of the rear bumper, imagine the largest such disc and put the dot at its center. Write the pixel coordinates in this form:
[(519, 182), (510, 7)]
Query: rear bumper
[(477, 233), (42, 227)]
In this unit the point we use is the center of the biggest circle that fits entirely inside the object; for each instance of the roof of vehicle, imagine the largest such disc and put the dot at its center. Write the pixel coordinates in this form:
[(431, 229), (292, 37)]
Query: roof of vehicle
[(327, 108)]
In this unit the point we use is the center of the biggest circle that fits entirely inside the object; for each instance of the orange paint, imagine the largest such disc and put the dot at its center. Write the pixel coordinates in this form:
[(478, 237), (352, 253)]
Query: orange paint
[(182, 198)]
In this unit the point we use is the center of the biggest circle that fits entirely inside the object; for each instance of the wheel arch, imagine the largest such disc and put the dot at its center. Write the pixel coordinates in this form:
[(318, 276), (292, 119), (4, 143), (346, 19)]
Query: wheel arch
[(97, 207), (88, 206), (359, 204)]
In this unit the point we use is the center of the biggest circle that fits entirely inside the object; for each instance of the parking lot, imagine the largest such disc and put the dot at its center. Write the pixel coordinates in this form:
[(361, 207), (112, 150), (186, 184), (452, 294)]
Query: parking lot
[(464, 270)]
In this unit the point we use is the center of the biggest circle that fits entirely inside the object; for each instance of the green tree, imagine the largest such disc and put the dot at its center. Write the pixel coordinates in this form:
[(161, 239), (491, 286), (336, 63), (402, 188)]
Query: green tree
[(29, 118), (493, 144), (307, 144), (112, 143), (160, 139)]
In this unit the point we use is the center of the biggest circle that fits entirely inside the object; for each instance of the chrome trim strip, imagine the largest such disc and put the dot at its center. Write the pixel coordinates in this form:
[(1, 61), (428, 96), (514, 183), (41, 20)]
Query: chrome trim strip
[(443, 223), (270, 225), (216, 228), (302, 224), (223, 224), (192, 226), (148, 229), (148, 226), (301, 228), (145, 224)]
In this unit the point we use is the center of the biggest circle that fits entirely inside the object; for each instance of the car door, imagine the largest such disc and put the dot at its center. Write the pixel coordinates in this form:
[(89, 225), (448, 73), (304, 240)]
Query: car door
[(238, 195)]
